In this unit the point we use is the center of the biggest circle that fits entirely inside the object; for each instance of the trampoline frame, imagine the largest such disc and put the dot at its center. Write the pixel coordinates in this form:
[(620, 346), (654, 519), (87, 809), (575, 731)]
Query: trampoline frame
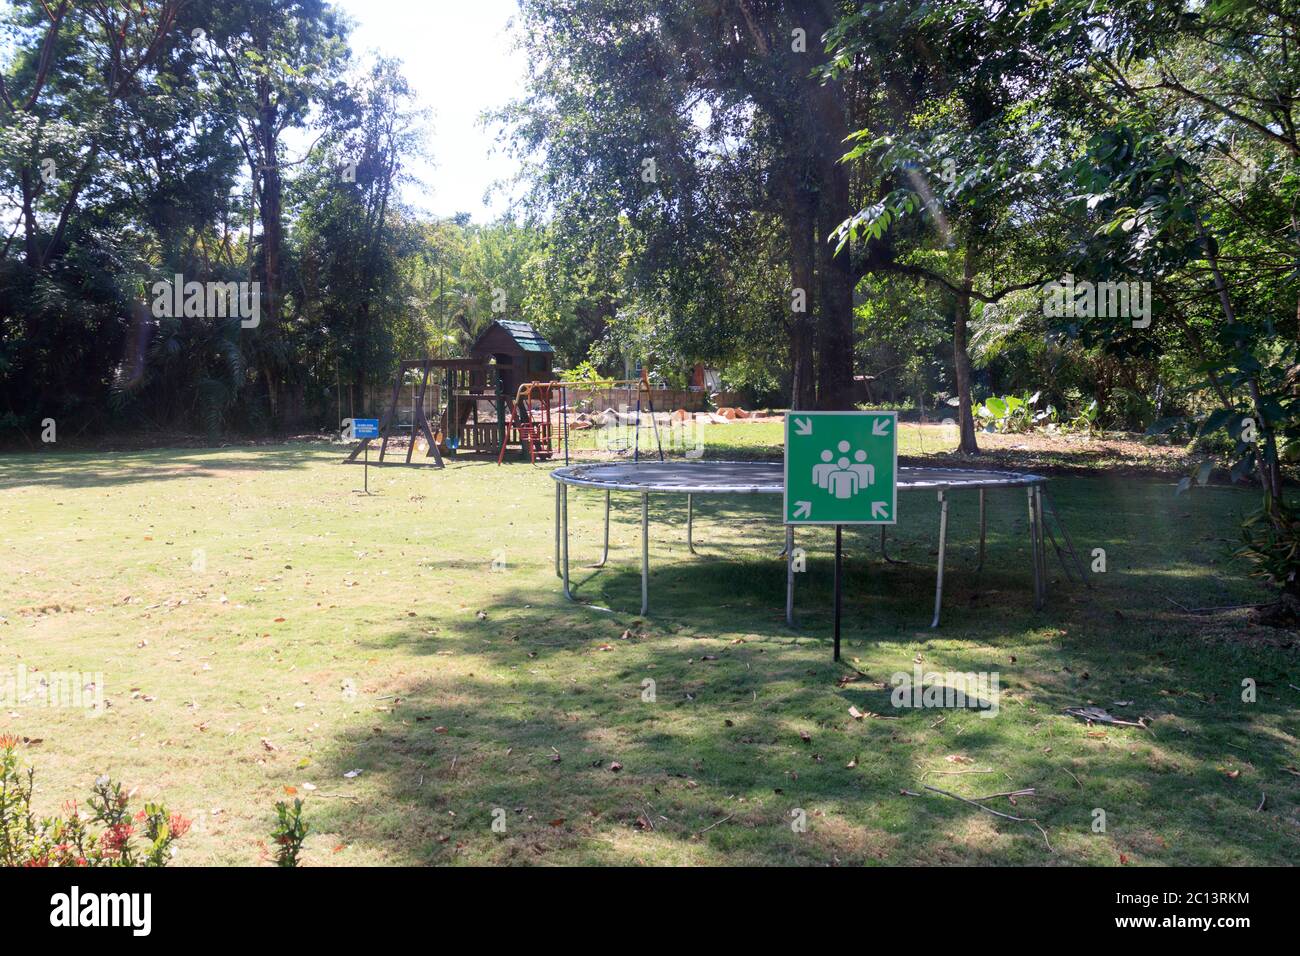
[(577, 476)]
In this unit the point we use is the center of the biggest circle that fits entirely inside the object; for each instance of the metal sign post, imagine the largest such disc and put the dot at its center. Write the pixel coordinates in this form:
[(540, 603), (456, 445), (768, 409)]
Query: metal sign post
[(839, 590), (364, 428), (841, 468)]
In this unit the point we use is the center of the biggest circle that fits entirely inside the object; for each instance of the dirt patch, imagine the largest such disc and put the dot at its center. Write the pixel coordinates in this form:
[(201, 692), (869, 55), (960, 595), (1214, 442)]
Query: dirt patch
[(1059, 453)]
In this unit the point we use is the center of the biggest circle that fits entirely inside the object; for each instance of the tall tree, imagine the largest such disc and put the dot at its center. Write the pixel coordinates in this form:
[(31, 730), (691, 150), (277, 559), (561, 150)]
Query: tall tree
[(964, 133), (273, 61), (709, 114)]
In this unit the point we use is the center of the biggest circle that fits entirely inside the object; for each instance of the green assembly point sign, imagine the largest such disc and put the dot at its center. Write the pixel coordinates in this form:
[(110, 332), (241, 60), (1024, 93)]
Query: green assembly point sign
[(841, 467)]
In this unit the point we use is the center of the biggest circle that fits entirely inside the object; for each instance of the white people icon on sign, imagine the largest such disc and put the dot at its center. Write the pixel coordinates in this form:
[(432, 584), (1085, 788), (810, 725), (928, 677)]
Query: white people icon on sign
[(843, 478)]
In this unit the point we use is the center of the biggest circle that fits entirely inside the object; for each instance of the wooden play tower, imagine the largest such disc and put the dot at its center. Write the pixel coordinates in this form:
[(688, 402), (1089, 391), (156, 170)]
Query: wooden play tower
[(507, 355)]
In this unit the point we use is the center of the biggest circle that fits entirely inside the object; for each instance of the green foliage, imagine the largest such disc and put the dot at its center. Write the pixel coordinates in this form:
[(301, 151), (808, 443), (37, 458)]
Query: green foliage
[(289, 833), (583, 372), (1086, 419), (1271, 544), (144, 838), (1011, 414)]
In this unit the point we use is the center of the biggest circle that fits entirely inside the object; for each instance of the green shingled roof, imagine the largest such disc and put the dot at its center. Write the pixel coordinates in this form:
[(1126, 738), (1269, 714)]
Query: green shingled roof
[(525, 335)]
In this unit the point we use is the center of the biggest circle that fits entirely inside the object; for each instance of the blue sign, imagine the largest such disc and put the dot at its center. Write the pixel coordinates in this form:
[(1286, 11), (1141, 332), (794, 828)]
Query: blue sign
[(365, 428)]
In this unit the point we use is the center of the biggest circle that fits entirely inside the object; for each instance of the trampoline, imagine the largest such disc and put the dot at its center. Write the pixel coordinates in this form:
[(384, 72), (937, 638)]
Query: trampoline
[(768, 478)]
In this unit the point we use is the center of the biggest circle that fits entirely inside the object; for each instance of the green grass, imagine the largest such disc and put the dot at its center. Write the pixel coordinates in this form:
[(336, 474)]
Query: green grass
[(345, 632)]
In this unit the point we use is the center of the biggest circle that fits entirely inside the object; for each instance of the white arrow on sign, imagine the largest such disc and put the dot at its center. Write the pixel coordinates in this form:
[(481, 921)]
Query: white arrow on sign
[(879, 509), (880, 426), (803, 426), (802, 509)]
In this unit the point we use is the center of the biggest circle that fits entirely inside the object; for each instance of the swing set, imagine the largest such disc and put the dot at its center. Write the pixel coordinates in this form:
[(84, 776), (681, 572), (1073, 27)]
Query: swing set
[(531, 417)]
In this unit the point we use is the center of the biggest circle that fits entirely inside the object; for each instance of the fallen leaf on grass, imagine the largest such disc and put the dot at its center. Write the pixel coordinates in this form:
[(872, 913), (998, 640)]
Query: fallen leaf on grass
[(856, 714)]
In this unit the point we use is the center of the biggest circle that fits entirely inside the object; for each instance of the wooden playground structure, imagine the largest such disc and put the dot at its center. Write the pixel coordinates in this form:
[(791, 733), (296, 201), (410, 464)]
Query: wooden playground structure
[(501, 395), (474, 398)]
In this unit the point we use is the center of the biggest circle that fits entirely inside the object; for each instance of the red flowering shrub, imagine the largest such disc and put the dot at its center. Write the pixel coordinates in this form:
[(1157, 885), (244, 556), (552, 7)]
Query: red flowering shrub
[(123, 839)]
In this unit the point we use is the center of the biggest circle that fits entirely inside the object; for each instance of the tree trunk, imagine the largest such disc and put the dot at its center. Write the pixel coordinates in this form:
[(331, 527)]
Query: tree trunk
[(799, 221), (1270, 466), (838, 280), (961, 359), (31, 249), (803, 392), (272, 238)]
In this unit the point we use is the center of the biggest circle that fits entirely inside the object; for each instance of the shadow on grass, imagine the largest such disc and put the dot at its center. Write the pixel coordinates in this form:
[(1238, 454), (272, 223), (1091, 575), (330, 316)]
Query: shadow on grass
[(546, 724), (75, 470)]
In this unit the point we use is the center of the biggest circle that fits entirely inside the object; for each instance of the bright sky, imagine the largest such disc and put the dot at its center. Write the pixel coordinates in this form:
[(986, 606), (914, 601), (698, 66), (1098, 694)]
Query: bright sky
[(459, 58)]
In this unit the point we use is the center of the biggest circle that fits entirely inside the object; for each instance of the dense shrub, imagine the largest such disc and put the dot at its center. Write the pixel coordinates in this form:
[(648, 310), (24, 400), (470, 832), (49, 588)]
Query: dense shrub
[(109, 835)]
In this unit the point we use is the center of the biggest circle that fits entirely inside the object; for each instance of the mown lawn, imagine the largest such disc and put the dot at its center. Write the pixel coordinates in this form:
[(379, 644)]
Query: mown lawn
[(260, 626)]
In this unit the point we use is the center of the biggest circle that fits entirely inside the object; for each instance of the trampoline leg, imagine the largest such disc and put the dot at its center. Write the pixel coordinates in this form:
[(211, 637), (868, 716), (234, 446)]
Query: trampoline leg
[(943, 544), (604, 555), (789, 575), (690, 523), (1033, 548), (1042, 546), (983, 532), (564, 521), (884, 553), (558, 487), (645, 553)]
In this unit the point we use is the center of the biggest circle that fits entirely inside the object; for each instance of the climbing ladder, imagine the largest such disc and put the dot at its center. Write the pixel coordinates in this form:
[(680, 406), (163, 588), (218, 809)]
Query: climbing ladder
[(528, 426)]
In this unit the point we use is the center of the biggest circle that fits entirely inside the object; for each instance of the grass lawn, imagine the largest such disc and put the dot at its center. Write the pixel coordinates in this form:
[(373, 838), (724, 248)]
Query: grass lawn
[(259, 626)]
